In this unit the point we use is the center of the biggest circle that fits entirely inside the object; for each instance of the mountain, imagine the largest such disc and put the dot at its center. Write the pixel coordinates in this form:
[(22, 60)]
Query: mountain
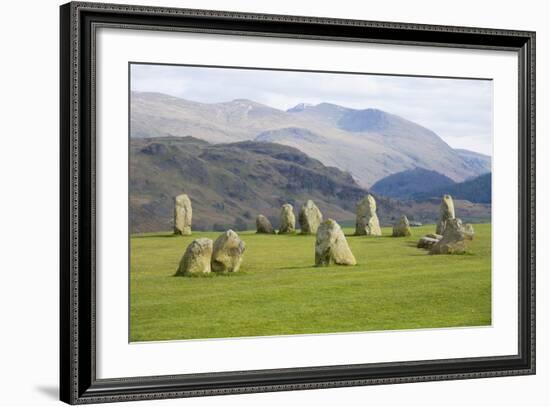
[(480, 163), (160, 115), (406, 184), (474, 190), (230, 184), (370, 144)]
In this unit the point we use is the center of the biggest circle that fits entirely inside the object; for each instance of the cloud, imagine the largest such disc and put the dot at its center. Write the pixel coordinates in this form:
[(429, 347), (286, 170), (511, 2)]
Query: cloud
[(460, 111)]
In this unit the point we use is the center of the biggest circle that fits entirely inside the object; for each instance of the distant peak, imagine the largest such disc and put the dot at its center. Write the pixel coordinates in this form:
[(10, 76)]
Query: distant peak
[(300, 107), (242, 100), (332, 105), (245, 102)]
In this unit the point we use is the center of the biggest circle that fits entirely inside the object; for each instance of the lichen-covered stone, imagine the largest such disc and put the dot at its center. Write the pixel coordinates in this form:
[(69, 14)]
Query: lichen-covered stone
[(367, 222), (196, 259), (433, 236), (402, 227), (426, 242), (469, 231), (288, 220), (227, 254), (331, 246), (183, 214), (446, 213), (453, 240), (263, 225), (310, 218)]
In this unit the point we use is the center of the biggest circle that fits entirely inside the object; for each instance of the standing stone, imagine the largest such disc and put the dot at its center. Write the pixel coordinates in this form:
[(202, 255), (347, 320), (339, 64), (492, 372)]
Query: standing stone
[(453, 240), (288, 220), (367, 221), (228, 252), (196, 259), (331, 246), (446, 213), (402, 228), (310, 218), (263, 225), (182, 215)]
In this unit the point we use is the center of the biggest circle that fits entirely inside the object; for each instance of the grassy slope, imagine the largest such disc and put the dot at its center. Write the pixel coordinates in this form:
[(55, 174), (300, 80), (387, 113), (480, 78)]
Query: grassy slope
[(394, 286)]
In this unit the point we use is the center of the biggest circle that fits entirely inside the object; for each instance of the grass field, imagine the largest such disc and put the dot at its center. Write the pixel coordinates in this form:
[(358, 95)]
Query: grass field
[(279, 292)]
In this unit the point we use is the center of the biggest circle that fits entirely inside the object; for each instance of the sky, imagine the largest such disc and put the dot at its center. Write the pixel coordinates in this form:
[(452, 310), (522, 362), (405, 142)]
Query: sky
[(460, 111)]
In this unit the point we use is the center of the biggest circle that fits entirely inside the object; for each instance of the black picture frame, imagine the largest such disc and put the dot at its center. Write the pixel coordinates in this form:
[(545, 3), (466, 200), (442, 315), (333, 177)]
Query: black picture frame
[(78, 382)]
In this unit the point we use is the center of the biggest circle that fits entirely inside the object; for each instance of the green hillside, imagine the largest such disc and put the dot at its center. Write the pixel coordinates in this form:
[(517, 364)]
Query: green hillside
[(407, 183), (474, 190)]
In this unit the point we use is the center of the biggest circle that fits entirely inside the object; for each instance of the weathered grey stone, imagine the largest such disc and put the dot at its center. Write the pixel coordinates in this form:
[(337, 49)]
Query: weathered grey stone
[(288, 220), (367, 222), (433, 236), (446, 212), (263, 225), (453, 240), (227, 254), (331, 246), (310, 218), (196, 259), (183, 214), (426, 242), (402, 227), (469, 231)]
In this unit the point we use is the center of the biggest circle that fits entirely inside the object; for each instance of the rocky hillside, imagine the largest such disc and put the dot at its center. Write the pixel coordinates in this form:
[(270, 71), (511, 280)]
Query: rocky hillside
[(229, 184), (369, 144), (481, 163), (405, 184)]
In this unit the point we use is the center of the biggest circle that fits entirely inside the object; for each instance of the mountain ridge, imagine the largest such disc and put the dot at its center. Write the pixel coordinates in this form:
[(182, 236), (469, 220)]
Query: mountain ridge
[(369, 143)]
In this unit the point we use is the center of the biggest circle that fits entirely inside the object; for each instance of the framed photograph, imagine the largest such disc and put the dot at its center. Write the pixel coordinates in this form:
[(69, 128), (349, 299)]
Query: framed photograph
[(254, 203)]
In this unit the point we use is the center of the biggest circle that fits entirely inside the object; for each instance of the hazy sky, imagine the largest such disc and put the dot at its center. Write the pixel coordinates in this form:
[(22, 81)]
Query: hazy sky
[(459, 110)]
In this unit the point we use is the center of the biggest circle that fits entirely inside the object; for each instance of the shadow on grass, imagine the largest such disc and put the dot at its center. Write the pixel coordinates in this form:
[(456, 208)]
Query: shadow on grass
[(156, 235), (297, 268), (320, 268), (413, 244), (211, 274)]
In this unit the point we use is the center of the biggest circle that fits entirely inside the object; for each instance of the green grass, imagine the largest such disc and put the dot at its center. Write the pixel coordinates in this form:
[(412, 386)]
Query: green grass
[(279, 292)]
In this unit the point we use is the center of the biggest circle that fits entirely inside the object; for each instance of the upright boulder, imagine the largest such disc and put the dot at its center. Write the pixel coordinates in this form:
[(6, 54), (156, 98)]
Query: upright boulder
[(402, 227), (453, 240), (331, 246), (263, 225), (367, 221), (310, 218), (182, 215), (196, 259), (446, 213), (227, 254), (288, 220)]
